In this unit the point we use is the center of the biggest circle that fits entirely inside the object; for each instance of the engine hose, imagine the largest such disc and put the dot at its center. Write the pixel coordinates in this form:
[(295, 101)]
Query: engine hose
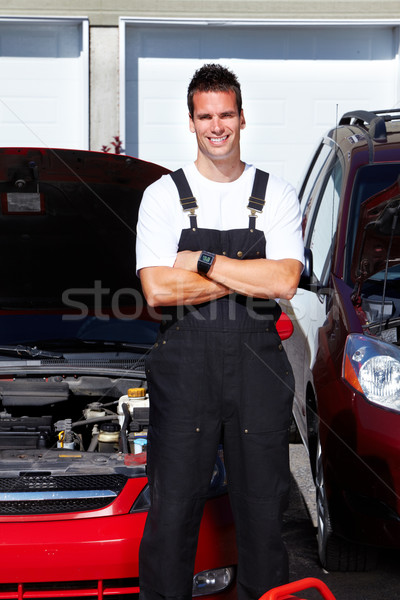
[(124, 438), (94, 420)]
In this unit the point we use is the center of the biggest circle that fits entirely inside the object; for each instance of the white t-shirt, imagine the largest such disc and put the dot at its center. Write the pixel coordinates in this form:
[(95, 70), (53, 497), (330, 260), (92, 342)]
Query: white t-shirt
[(221, 206)]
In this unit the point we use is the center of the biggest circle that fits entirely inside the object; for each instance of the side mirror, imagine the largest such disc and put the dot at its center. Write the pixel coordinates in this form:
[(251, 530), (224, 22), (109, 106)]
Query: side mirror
[(306, 279)]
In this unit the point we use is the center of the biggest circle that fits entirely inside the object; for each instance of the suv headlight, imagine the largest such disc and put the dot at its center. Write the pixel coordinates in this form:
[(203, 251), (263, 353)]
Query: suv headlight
[(372, 367)]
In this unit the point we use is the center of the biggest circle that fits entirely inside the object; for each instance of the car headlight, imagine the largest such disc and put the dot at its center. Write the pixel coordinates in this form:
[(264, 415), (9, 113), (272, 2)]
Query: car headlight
[(372, 367), (217, 486), (212, 581)]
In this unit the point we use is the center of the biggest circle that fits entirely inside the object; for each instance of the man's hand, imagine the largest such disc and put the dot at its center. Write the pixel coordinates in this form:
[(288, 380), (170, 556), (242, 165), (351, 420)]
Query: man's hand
[(186, 259)]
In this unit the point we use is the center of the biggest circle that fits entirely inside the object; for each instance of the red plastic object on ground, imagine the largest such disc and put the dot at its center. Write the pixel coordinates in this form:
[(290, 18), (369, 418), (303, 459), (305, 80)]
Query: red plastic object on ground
[(284, 592)]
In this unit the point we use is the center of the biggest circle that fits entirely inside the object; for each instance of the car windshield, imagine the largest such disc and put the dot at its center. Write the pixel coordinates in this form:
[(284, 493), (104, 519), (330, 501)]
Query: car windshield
[(369, 181)]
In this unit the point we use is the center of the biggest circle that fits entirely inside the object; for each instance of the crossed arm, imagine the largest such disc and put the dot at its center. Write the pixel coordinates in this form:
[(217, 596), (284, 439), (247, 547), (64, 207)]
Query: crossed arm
[(182, 285)]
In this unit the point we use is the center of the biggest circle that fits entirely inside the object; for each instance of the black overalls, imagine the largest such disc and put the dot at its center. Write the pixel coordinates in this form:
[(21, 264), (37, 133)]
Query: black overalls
[(218, 373)]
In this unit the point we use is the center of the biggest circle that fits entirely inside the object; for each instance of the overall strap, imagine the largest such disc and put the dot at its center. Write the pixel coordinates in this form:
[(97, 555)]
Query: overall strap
[(257, 198), (187, 200)]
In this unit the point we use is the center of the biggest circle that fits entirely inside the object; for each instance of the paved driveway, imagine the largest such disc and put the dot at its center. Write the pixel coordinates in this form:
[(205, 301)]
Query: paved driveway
[(300, 537)]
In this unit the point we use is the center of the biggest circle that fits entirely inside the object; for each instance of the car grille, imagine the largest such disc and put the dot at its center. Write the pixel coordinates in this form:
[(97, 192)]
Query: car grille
[(31, 494), (110, 589)]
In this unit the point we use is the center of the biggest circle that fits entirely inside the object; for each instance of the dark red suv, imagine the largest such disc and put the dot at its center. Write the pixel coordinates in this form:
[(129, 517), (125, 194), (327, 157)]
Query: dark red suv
[(345, 349)]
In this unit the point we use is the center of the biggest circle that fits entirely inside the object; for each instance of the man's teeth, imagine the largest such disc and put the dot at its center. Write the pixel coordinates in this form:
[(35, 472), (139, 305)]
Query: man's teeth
[(219, 139)]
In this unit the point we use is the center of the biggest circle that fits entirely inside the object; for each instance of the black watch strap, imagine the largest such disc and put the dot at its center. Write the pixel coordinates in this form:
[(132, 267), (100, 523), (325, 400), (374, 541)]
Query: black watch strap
[(205, 261)]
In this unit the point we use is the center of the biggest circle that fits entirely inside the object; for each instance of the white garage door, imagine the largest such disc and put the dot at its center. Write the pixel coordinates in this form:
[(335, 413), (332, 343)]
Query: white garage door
[(295, 80), (44, 83)]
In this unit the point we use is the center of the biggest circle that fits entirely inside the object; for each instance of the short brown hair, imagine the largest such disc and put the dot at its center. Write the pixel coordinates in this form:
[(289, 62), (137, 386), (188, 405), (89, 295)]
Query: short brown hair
[(213, 78)]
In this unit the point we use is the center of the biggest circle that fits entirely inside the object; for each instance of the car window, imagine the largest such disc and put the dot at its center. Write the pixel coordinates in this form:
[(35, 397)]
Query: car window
[(312, 182), (323, 228)]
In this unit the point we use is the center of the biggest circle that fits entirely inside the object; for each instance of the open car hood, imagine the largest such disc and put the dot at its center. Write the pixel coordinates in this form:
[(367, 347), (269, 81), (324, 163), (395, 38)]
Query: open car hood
[(378, 235), (67, 225)]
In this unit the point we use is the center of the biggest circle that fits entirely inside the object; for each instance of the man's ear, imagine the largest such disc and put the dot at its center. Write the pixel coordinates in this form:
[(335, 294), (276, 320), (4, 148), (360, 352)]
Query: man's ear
[(242, 120), (191, 124)]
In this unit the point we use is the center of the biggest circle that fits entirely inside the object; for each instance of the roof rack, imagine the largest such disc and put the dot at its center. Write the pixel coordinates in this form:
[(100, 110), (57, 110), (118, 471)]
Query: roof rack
[(375, 119)]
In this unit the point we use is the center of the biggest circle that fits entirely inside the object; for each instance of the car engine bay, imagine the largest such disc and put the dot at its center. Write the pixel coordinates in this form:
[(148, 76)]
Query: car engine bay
[(89, 414)]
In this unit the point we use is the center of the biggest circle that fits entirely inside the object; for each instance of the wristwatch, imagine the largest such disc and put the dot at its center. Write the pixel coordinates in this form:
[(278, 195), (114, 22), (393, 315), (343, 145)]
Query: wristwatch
[(205, 261)]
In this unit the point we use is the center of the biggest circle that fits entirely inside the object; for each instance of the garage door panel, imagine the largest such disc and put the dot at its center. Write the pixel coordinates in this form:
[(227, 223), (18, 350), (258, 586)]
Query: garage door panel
[(35, 39), (161, 43), (31, 110), (44, 93), (275, 109), (346, 43)]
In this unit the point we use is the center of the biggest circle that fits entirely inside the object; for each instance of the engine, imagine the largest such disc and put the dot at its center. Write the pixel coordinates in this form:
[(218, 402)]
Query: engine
[(40, 414)]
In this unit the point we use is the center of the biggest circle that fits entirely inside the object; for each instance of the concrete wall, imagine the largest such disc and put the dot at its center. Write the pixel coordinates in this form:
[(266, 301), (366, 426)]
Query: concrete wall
[(104, 86)]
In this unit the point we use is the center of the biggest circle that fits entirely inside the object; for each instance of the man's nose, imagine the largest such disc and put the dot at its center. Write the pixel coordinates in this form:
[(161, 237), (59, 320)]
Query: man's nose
[(217, 125)]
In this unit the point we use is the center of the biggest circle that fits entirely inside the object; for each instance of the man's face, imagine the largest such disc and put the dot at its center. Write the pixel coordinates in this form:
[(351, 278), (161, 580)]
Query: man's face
[(217, 124)]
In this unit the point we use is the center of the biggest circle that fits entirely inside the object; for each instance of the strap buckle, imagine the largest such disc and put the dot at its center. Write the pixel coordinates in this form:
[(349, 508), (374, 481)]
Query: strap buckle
[(189, 204), (255, 205)]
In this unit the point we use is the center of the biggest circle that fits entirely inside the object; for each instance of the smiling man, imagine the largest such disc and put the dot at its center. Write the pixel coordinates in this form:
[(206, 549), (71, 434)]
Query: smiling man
[(217, 242)]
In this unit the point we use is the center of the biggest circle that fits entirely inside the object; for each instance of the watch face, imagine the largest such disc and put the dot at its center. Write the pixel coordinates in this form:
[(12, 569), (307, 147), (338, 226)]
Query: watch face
[(205, 262)]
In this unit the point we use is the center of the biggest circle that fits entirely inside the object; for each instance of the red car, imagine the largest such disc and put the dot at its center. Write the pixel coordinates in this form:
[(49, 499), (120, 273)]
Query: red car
[(74, 408)]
